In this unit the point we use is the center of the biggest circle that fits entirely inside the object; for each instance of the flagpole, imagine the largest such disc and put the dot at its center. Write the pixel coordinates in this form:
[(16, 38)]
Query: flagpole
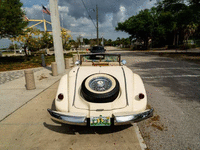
[(43, 18), (44, 21), (62, 19)]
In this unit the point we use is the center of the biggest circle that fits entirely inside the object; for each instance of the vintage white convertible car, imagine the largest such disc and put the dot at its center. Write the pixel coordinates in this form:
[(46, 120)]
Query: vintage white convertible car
[(100, 91)]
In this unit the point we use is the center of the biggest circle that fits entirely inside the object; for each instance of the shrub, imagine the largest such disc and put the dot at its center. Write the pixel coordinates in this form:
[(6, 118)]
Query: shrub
[(67, 47), (68, 55), (186, 46), (193, 46), (172, 46)]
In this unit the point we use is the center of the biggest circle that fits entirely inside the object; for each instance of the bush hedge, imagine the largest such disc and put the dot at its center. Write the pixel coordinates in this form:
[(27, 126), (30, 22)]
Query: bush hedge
[(172, 46)]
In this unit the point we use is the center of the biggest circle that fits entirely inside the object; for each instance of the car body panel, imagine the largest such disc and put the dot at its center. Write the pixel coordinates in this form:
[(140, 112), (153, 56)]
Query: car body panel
[(84, 72), (128, 101), (127, 105)]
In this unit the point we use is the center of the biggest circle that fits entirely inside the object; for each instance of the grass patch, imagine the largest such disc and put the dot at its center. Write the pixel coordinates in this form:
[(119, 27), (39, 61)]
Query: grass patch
[(126, 49), (24, 62), (188, 56), (7, 53)]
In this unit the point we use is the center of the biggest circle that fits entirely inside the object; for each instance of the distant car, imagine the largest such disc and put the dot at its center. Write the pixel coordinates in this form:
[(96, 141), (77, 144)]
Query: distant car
[(100, 91), (20, 51), (97, 49)]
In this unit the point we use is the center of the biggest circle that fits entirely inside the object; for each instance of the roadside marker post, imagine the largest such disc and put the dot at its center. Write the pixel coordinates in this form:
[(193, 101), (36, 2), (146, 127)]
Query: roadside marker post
[(43, 61), (67, 63), (29, 78), (54, 68)]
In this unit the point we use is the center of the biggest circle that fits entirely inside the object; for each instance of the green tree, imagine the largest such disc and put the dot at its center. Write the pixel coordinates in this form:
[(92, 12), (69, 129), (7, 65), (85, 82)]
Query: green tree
[(65, 39), (109, 42), (173, 14), (13, 46), (29, 39), (139, 26), (11, 18), (86, 41), (47, 40), (92, 42)]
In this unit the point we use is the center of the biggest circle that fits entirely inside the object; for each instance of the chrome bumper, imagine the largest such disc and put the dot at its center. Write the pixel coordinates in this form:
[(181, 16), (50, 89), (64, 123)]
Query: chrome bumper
[(68, 119), (118, 120), (126, 119)]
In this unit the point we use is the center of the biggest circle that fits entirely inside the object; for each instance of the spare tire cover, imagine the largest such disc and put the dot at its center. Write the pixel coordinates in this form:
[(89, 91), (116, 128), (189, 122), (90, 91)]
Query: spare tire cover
[(100, 88)]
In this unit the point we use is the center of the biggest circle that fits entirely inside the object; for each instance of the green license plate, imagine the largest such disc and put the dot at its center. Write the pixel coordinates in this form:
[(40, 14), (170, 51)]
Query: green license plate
[(100, 121)]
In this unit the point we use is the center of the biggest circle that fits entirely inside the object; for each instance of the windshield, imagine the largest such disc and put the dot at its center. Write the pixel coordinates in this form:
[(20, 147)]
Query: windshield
[(100, 58), (97, 48)]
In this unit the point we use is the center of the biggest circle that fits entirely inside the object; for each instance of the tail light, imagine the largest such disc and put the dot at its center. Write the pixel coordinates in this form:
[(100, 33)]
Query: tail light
[(60, 96), (141, 96)]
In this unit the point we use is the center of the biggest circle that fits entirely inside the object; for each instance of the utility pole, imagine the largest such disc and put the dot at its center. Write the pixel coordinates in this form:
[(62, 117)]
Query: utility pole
[(102, 41), (97, 26), (57, 40)]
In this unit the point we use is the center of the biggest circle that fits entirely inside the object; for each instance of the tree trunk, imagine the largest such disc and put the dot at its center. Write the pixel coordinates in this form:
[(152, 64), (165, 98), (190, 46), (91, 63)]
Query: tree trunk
[(25, 51), (174, 38), (146, 43)]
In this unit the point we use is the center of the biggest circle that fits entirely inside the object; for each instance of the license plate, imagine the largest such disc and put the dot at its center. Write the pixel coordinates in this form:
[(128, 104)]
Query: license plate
[(100, 121)]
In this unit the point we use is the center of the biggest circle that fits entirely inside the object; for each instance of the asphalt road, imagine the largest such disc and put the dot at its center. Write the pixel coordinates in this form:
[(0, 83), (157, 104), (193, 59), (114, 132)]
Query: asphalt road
[(173, 89)]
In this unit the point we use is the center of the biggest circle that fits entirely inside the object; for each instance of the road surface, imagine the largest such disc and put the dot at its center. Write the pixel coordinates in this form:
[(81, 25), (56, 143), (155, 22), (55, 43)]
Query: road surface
[(173, 89), (30, 127)]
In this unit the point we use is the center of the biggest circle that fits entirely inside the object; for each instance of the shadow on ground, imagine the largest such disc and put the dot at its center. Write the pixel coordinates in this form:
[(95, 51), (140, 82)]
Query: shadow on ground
[(73, 129), (48, 68), (175, 80)]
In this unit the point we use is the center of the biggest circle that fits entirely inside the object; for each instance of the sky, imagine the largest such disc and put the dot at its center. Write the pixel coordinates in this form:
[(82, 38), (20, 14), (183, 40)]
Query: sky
[(74, 17)]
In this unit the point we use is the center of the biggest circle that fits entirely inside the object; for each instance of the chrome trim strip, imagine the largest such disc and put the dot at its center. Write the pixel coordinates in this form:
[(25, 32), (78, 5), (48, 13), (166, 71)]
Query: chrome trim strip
[(75, 86), (74, 120), (120, 120), (125, 84)]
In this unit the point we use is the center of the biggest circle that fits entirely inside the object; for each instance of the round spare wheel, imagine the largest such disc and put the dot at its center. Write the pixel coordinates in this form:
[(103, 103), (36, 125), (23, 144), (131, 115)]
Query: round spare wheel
[(100, 88)]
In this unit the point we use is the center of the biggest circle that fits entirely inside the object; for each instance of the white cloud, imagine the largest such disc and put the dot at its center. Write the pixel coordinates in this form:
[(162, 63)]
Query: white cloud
[(75, 18), (73, 25)]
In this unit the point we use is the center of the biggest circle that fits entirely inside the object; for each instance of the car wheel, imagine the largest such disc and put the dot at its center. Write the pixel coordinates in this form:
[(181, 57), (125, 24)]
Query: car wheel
[(100, 88)]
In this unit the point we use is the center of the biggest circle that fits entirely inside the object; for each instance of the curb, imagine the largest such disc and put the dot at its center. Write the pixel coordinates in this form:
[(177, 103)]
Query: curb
[(139, 136)]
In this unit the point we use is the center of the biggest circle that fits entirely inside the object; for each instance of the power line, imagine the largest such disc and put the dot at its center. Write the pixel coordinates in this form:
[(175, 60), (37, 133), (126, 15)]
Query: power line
[(88, 13)]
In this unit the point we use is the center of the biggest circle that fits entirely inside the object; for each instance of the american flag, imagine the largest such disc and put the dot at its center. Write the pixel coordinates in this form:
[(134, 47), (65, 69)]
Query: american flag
[(26, 18), (45, 10)]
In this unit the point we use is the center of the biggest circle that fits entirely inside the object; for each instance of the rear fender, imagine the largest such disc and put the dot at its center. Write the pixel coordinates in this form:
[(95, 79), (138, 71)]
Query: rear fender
[(138, 87), (62, 105)]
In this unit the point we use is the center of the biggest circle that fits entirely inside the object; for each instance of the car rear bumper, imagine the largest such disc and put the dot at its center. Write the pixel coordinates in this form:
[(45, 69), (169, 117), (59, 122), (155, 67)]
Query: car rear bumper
[(68, 119), (126, 119), (118, 120)]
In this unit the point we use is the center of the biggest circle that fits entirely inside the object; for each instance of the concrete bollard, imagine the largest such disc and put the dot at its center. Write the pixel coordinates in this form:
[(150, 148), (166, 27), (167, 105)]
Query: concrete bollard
[(77, 57), (29, 78), (43, 60), (47, 51), (67, 63), (54, 68), (74, 59)]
